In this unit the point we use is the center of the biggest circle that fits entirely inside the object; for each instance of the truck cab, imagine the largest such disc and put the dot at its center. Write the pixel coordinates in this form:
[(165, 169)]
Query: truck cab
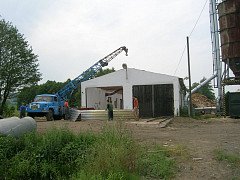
[(48, 105)]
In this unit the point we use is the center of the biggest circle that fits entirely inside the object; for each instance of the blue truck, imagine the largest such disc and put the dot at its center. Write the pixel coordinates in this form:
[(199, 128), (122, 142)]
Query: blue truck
[(52, 105), (49, 105)]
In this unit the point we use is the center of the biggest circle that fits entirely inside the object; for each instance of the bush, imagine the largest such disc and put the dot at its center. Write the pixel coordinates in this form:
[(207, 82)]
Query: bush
[(9, 111), (60, 154), (9, 147), (54, 155)]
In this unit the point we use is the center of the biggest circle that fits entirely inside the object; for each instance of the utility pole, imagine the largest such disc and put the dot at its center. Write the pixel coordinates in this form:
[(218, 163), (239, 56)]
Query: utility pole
[(189, 80)]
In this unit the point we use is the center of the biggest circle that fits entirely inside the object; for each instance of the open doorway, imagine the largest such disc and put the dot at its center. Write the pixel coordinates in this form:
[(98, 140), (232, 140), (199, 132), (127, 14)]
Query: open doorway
[(96, 97)]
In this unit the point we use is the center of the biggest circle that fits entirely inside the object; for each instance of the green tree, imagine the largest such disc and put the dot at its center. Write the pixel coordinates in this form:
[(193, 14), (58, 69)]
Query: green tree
[(18, 63), (75, 100), (51, 87), (206, 90), (102, 72), (27, 94)]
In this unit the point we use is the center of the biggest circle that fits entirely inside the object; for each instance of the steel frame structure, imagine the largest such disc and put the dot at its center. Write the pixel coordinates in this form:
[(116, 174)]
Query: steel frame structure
[(217, 63)]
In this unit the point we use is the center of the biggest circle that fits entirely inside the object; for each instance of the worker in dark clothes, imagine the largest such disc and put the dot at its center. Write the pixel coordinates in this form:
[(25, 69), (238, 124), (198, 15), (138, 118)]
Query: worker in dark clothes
[(110, 110), (22, 110)]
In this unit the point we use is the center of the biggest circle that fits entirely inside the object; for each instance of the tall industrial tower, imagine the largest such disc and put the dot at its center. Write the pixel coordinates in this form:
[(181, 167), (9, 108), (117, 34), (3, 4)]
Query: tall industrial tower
[(225, 23)]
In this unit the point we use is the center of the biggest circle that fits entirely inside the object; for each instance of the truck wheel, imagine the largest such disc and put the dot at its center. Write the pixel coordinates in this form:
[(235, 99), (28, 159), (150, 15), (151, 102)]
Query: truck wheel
[(50, 115), (30, 115), (57, 117)]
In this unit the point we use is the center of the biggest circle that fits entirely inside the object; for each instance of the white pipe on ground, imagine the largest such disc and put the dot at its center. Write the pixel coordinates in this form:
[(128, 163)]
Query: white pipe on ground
[(16, 127)]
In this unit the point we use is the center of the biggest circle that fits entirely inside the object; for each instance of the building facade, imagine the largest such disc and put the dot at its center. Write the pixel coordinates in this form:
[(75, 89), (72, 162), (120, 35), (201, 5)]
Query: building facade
[(158, 94)]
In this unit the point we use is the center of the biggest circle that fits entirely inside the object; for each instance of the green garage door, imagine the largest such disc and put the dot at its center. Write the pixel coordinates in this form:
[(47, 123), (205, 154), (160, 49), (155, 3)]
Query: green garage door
[(155, 100), (163, 100)]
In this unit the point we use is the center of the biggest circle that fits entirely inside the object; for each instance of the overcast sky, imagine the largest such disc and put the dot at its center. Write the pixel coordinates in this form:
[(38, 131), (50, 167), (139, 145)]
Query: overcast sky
[(71, 35)]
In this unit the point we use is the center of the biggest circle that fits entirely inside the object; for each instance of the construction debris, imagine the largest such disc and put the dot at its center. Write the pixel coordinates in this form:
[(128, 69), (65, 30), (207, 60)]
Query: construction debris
[(197, 159), (77, 115), (158, 122), (164, 124)]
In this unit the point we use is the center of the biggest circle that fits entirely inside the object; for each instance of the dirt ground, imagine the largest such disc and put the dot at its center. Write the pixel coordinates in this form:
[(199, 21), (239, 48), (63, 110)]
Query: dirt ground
[(199, 137)]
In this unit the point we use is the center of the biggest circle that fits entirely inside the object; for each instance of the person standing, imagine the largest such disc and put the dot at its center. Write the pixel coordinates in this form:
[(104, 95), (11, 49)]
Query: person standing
[(135, 108), (22, 110), (110, 110), (66, 107)]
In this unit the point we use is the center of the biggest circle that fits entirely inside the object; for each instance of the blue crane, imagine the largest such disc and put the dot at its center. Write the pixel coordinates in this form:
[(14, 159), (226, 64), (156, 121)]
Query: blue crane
[(89, 73), (52, 105)]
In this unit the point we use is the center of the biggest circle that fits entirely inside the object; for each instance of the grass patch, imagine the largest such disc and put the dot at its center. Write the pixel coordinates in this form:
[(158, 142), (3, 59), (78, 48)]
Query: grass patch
[(112, 156), (232, 159), (156, 162), (60, 154), (178, 152)]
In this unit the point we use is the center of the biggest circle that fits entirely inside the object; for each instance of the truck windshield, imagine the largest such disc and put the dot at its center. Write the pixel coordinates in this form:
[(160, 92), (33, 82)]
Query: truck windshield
[(43, 99)]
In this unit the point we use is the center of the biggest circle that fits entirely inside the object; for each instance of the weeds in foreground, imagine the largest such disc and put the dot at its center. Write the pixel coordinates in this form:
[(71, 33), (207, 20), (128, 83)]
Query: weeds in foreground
[(60, 154), (232, 159), (156, 162), (179, 152)]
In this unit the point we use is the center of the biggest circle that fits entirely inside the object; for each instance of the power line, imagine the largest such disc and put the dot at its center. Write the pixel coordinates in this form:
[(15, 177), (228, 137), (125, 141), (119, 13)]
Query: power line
[(180, 59), (190, 36), (198, 18)]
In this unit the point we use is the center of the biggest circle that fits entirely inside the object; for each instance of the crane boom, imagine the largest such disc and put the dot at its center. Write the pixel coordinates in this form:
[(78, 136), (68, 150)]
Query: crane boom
[(89, 73)]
